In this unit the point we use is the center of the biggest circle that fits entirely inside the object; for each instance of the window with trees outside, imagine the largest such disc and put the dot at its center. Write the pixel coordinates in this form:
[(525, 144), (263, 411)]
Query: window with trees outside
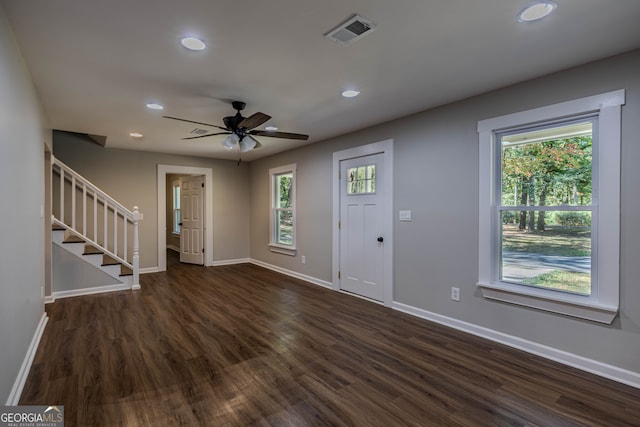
[(545, 210), (283, 206), (549, 207)]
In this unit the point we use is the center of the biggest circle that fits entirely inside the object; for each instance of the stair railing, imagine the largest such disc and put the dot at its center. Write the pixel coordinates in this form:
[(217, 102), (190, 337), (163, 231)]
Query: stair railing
[(113, 228)]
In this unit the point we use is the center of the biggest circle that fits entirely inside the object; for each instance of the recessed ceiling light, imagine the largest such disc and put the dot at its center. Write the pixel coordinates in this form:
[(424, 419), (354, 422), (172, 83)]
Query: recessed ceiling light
[(193, 43), (350, 93), (154, 106), (271, 128), (136, 135), (536, 11)]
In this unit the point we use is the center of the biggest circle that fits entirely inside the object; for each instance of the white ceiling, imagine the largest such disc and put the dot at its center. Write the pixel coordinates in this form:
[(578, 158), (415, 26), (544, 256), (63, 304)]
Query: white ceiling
[(95, 63)]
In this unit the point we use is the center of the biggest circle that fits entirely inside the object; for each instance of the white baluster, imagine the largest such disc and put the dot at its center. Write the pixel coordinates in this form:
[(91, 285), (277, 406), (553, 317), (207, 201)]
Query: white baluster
[(125, 224), (106, 216), (62, 195), (115, 231), (73, 202), (84, 209), (95, 216)]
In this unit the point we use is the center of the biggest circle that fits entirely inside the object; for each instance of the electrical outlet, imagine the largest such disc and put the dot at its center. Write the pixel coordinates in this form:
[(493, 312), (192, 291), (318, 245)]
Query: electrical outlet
[(303, 259), (455, 294)]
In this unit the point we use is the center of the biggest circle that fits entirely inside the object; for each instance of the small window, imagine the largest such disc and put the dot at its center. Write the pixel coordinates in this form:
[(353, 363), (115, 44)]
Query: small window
[(283, 211), (361, 180), (176, 207)]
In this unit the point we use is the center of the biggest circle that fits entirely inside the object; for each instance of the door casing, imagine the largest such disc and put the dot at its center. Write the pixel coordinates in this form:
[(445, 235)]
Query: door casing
[(163, 170)]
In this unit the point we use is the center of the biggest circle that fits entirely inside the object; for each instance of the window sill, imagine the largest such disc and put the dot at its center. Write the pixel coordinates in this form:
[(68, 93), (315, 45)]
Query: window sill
[(281, 249), (568, 305)]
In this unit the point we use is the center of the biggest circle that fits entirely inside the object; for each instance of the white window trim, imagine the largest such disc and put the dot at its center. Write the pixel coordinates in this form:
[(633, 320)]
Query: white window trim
[(274, 246), (602, 307)]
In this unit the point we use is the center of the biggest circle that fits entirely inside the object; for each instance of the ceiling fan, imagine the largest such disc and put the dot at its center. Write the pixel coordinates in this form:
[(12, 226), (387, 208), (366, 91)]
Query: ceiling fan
[(242, 129)]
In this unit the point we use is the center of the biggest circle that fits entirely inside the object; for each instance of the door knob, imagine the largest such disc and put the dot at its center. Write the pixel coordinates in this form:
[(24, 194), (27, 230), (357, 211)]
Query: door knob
[(380, 239)]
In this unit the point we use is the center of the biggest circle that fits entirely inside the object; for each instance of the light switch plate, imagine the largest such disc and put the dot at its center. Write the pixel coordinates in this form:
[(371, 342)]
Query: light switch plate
[(405, 215)]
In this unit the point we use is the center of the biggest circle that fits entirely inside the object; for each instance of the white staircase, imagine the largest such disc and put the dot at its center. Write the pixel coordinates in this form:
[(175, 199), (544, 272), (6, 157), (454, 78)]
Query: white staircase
[(96, 228), (92, 255)]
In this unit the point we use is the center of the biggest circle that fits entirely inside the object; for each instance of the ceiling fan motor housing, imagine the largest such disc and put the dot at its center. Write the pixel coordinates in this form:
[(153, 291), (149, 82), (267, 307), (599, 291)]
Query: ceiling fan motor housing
[(238, 105), (232, 123)]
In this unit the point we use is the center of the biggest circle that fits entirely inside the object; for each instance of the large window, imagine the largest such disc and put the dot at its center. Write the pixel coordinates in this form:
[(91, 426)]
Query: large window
[(283, 206), (545, 209), (549, 207)]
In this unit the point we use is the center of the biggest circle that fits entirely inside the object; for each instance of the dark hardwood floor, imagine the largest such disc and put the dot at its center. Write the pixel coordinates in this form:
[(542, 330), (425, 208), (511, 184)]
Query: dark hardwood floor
[(242, 345)]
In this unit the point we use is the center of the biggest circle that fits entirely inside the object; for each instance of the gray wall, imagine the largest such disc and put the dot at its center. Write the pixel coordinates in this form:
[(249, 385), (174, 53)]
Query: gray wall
[(436, 176), (22, 141), (130, 177)]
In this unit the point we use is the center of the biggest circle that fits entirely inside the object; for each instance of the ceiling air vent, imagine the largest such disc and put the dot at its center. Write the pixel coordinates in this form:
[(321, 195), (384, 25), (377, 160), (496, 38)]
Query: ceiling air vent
[(354, 29)]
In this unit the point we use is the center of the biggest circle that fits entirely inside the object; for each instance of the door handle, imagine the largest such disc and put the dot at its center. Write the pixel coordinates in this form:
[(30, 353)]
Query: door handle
[(380, 239), (180, 224)]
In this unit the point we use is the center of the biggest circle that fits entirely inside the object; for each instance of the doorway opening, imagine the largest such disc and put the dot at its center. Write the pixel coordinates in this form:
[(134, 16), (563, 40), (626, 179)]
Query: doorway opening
[(207, 214)]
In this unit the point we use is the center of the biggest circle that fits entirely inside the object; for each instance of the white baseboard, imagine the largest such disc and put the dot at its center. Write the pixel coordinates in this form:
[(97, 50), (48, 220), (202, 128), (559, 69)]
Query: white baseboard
[(173, 248), (592, 366), (18, 386), (90, 291), (148, 270), (295, 274), (230, 262)]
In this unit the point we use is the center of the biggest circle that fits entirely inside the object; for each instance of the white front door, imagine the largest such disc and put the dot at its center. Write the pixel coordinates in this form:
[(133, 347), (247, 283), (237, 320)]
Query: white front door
[(362, 226), (191, 217)]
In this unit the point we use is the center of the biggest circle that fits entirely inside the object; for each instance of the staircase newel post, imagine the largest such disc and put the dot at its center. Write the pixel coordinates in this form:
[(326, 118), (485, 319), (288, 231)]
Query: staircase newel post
[(136, 249)]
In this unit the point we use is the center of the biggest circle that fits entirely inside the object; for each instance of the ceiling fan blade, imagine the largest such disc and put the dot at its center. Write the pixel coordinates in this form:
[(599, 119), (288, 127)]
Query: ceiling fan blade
[(198, 123), (209, 134), (254, 120), (286, 135)]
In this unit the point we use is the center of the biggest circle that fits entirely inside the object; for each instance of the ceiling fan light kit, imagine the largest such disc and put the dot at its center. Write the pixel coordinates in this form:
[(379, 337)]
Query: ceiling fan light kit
[(247, 144), (240, 130), (230, 141)]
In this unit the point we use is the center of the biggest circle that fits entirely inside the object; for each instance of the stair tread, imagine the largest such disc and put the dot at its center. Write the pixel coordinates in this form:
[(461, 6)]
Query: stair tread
[(57, 227)]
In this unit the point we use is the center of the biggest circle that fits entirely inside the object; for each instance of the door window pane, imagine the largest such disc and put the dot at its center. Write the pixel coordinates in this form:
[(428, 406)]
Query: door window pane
[(361, 180)]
